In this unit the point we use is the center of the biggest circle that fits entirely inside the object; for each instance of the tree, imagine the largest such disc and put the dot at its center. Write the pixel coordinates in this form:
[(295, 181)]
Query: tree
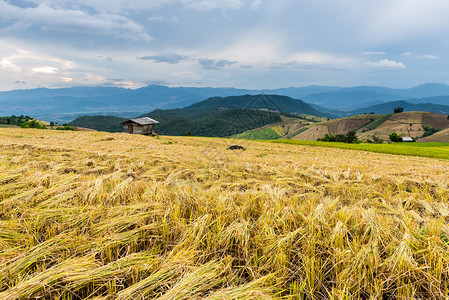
[(351, 137), (398, 109), (429, 130), (377, 140), (394, 137)]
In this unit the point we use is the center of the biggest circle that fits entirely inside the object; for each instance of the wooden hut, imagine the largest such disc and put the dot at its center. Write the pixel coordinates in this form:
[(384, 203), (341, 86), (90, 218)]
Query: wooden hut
[(143, 125)]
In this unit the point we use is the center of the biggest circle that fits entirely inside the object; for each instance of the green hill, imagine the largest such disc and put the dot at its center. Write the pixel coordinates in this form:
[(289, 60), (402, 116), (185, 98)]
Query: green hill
[(388, 107), (215, 117), (227, 116), (216, 124), (274, 103), (100, 123)]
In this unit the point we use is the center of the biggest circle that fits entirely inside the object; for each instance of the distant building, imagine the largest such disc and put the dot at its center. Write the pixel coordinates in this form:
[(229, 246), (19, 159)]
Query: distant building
[(143, 125), (407, 139)]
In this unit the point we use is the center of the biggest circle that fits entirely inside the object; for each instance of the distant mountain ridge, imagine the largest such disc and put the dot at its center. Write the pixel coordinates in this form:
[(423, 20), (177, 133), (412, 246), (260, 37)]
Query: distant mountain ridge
[(357, 97), (225, 116), (65, 104)]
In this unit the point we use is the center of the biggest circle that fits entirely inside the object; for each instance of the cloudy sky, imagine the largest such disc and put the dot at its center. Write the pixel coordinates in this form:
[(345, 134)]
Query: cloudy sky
[(223, 43)]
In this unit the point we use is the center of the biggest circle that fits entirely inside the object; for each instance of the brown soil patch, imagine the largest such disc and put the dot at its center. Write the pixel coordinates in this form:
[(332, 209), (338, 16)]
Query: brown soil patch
[(437, 121)]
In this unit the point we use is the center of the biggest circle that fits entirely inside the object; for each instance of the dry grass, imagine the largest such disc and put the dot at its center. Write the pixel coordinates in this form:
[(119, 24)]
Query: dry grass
[(106, 216)]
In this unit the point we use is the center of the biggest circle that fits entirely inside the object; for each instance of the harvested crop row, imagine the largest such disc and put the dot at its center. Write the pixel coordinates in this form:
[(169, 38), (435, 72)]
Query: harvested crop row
[(90, 214)]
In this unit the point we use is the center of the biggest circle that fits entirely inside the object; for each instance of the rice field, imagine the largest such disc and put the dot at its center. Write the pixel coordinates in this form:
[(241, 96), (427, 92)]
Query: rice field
[(432, 150), (91, 215)]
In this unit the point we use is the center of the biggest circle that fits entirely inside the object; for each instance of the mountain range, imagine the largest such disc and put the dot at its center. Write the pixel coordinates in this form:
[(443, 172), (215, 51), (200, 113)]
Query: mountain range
[(65, 104), (216, 116), (273, 116)]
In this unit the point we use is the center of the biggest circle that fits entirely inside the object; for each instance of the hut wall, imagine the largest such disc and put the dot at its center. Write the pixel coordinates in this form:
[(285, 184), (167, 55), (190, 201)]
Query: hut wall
[(128, 128), (138, 129), (143, 129)]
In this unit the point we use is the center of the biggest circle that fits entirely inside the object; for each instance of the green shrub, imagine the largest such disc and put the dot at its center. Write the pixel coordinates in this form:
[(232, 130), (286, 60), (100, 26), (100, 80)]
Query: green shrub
[(350, 138), (66, 127), (375, 140), (33, 124), (394, 137)]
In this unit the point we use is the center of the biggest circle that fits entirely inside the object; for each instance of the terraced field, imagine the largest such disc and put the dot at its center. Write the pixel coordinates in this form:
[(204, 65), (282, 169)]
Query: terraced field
[(405, 124), (91, 215)]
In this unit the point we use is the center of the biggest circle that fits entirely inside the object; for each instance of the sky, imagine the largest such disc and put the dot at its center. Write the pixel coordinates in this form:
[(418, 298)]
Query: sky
[(257, 44)]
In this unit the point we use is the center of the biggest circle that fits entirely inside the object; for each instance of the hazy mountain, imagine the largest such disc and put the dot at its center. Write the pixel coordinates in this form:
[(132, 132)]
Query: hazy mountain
[(63, 105), (301, 92), (348, 100), (363, 96), (427, 90), (443, 100), (66, 104), (387, 108)]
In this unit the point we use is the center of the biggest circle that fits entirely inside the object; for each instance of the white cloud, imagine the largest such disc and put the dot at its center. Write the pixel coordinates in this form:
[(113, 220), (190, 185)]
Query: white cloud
[(110, 6), (256, 4), (161, 19), (73, 20), (123, 6), (373, 53), (400, 20), (268, 50), (45, 70), (427, 56), (303, 40), (208, 5), (7, 64), (384, 64), (321, 58), (430, 56)]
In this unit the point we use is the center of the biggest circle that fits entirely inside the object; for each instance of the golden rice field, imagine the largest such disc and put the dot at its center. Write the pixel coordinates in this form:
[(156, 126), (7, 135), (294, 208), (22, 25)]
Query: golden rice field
[(90, 215)]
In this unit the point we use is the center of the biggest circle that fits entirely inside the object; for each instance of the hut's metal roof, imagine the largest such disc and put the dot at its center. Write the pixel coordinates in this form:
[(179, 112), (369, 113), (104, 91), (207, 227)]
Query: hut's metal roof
[(141, 121), (407, 139)]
